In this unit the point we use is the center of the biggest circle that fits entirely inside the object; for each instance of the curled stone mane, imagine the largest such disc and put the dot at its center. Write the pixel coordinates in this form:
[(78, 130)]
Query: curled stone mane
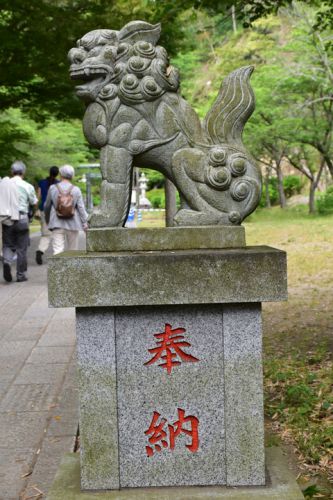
[(98, 37), (142, 72)]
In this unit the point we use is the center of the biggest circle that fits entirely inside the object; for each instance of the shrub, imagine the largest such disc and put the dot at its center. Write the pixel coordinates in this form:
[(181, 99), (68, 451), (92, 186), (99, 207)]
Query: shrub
[(325, 202), (292, 184), (273, 193), (156, 198)]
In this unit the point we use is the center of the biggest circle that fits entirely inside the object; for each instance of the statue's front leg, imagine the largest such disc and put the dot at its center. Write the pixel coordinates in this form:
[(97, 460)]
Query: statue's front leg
[(116, 169)]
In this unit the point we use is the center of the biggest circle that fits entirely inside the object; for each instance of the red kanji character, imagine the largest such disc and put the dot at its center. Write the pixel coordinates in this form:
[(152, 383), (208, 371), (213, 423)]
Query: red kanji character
[(158, 434), (171, 340), (177, 428)]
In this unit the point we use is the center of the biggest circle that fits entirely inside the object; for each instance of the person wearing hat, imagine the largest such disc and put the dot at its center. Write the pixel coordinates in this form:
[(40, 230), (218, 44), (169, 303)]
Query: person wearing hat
[(65, 227), (16, 235)]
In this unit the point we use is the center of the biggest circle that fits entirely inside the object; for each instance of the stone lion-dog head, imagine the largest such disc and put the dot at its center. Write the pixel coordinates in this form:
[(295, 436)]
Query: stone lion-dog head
[(125, 63)]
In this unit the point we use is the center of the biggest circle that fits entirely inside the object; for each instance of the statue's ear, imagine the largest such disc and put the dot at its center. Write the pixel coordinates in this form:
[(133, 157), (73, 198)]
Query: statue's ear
[(139, 30)]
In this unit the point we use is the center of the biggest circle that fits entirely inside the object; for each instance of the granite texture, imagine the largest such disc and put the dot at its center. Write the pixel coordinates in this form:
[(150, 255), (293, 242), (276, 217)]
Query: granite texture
[(250, 274), (194, 386), (96, 360), (281, 485), (244, 412), (166, 238), (219, 387)]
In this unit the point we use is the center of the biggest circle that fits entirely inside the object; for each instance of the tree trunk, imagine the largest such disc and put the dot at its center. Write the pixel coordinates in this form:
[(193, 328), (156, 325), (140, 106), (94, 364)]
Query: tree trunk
[(282, 196), (312, 190), (266, 182), (233, 15), (313, 186), (329, 164)]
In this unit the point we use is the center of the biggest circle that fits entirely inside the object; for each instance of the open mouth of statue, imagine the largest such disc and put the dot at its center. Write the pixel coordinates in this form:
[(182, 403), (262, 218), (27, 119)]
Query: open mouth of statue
[(91, 75)]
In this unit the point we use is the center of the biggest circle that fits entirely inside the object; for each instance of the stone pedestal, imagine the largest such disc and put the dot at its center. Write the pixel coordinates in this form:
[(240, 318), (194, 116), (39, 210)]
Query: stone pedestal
[(169, 355)]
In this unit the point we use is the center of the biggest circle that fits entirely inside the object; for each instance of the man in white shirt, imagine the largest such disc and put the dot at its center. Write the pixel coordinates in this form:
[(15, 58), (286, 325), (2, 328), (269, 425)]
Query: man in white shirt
[(16, 235), (9, 205)]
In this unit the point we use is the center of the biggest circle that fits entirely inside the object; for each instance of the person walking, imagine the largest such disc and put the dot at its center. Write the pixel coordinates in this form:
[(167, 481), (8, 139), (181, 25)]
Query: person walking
[(16, 235), (43, 188), (9, 205), (65, 212)]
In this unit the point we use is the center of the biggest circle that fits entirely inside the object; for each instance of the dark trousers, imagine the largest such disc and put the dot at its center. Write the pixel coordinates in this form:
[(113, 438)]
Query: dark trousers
[(15, 239)]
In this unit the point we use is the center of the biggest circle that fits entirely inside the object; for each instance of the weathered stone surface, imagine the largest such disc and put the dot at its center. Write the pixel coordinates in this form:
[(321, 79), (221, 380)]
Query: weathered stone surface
[(251, 274), (244, 413), (281, 485), (98, 399), (171, 238), (137, 117), (197, 387)]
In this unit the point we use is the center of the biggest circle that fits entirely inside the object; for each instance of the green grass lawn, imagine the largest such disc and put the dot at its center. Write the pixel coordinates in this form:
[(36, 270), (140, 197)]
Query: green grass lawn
[(298, 339)]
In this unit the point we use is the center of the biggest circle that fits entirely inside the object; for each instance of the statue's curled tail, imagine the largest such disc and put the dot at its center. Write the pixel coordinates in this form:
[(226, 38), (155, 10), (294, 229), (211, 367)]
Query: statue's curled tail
[(234, 105)]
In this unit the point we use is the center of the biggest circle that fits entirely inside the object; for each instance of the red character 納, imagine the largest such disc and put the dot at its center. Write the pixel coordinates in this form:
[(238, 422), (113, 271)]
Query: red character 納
[(159, 435)]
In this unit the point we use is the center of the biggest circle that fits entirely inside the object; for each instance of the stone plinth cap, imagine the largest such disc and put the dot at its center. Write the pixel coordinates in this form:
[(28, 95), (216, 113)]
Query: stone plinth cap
[(167, 238), (86, 279)]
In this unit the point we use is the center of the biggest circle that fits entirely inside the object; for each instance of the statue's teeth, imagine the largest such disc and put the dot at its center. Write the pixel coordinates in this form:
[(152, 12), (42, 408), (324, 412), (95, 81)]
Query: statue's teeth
[(87, 71)]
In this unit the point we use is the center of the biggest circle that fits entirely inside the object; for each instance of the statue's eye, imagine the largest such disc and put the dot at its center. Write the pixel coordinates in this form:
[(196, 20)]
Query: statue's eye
[(109, 52), (94, 52)]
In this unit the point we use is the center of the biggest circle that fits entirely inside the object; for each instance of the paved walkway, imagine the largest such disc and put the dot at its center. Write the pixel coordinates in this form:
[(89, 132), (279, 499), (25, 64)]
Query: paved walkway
[(38, 395)]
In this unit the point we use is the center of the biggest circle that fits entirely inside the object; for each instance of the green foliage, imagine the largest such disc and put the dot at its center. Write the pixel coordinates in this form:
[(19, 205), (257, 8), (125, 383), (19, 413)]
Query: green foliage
[(273, 193), (156, 198), (325, 202), (298, 395), (41, 146), (12, 138), (312, 491), (155, 178), (292, 184)]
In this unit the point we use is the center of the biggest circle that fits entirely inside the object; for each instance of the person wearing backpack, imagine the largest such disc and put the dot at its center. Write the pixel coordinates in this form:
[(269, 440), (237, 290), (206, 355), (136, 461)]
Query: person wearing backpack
[(65, 212), (43, 188)]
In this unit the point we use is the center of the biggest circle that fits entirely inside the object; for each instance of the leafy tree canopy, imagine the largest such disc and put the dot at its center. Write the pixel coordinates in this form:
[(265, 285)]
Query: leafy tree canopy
[(35, 36)]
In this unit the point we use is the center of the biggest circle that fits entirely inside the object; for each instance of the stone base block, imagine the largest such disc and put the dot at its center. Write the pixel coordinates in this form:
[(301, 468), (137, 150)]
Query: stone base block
[(119, 239), (170, 396), (233, 275), (281, 485)]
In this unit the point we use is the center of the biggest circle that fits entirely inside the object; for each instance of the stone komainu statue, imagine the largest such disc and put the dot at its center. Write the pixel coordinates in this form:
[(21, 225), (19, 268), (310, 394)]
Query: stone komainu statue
[(136, 116)]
